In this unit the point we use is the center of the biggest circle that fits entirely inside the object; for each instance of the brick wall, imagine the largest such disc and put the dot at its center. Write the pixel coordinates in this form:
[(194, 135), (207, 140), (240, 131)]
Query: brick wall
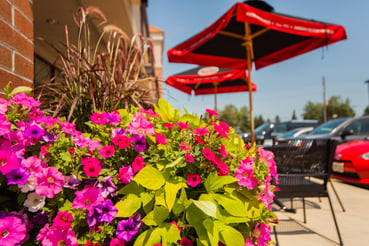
[(16, 43)]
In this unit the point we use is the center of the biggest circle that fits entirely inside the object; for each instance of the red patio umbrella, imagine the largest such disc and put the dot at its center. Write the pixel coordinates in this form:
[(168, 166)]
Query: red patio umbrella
[(210, 80), (247, 35)]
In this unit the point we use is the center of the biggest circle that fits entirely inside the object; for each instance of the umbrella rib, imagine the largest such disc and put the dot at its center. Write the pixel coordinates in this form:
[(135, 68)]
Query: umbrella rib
[(231, 34)]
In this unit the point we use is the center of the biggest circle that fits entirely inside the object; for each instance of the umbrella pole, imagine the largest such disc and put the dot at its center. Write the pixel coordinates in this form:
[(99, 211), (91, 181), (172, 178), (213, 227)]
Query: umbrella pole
[(215, 97), (249, 55)]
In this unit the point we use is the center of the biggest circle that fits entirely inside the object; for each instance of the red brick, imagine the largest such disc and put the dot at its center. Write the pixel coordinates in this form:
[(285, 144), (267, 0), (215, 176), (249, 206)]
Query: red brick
[(23, 67), (6, 10), (5, 77), (16, 40), (25, 26), (25, 6), (5, 57)]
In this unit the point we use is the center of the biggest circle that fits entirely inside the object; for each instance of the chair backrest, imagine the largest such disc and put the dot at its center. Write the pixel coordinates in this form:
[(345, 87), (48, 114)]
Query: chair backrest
[(307, 157)]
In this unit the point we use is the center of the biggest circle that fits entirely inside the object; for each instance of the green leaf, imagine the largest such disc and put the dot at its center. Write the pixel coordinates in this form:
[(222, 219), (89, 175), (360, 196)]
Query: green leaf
[(170, 234), (208, 207), (174, 163), (232, 205), (128, 205), (231, 236), (195, 217), (213, 228), (150, 178), (156, 217), (20, 89), (132, 187), (179, 205), (166, 111), (214, 182), (171, 188), (149, 237)]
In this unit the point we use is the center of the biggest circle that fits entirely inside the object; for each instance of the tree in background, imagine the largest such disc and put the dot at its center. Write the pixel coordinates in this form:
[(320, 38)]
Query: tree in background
[(277, 118), (244, 119), (258, 121), (230, 115), (336, 108), (366, 111), (294, 117)]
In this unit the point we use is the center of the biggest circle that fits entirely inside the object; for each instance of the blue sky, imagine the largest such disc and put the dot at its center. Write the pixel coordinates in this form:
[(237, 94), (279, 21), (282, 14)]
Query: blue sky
[(285, 86)]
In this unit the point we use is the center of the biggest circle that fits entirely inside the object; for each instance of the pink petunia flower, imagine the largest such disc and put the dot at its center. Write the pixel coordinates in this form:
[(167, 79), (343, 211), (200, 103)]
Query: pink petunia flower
[(161, 139), (189, 158), (223, 168), (266, 195), (193, 179), (12, 231), (89, 160), (222, 129), (125, 174), (140, 125), (87, 198), (208, 154), (169, 125), (63, 220), (56, 237), (268, 158), (69, 128), (244, 173), (107, 151), (99, 118), (223, 151), (8, 161), (201, 131), (121, 141), (211, 112), (5, 125), (149, 112), (138, 164), (185, 242), (49, 182), (116, 242), (24, 100), (114, 118), (184, 146), (92, 169), (33, 164), (183, 126)]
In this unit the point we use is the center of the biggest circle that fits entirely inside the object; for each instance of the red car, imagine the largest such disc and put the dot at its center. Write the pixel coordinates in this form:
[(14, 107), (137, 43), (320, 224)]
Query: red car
[(351, 162)]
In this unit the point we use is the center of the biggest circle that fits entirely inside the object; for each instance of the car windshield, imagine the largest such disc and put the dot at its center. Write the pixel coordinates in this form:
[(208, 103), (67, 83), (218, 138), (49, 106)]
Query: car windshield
[(289, 134), (327, 127), (262, 128)]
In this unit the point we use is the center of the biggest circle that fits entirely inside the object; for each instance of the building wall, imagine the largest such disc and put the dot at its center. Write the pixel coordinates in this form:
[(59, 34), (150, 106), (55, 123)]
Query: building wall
[(16, 43)]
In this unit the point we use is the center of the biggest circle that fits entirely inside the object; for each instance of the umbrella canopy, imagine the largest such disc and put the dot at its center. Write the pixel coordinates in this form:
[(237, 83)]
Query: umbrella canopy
[(210, 80), (247, 35)]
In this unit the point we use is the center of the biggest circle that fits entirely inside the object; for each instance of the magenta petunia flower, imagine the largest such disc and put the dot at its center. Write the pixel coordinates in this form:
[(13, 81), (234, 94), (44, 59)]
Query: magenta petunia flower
[(87, 198), (169, 125), (185, 242), (24, 100), (222, 129), (183, 126), (106, 211), (149, 112), (126, 229), (34, 131), (17, 176), (125, 174), (89, 160), (121, 141), (140, 143), (193, 179), (184, 146), (201, 131), (266, 195), (33, 164), (211, 112), (63, 220), (223, 168), (161, 139), (92, 169), (49, 182), (140, 125), (189, 158), (138, 164), (107, 151), (5, 125), (69, 128), (268, 158), (107, 187), (223, 151), (99, 118), (8, 161), (56, 237), (244, 173), (114, 118), (116, 242), (208, 154), (12, 231)]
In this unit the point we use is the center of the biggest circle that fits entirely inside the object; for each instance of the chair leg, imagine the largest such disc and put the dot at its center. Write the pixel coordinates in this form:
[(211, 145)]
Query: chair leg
[(303, 205), (275, 235), (335, 192), (335, 221)]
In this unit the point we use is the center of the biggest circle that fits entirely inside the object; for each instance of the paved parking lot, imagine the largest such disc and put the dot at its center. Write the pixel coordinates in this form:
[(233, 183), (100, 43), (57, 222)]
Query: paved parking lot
[(320, 229)]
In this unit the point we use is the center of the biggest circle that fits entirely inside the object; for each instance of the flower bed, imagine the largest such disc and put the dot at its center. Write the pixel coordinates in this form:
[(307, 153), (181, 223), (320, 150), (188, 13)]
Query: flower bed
[(141, 177)]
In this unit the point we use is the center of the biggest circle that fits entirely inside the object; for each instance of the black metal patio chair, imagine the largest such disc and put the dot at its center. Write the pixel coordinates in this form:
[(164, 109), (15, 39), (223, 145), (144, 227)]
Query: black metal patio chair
[(304, 168)]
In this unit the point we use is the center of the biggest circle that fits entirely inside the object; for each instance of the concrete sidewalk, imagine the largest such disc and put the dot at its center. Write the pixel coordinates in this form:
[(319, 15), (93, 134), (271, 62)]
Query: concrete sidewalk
[(319, 229)]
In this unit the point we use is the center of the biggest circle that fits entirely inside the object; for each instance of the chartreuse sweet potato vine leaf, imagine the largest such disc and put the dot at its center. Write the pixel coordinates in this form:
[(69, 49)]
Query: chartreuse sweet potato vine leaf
[(128, 205), (150, 178), (214, 182), (171, 188), (166, 111), (166, 234), (156, 216), (231, 236)]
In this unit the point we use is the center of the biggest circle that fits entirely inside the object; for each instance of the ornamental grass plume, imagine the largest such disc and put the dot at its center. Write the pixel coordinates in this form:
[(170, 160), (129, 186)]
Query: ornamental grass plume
[(136, 177)]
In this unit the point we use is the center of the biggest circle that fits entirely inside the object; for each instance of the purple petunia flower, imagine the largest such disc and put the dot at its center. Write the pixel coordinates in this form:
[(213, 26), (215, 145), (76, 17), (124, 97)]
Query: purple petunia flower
[(106, 211), (140, 143), (106, 187), (118, 131), (34, 131), (71, 181), (17, 176), (126, 229)]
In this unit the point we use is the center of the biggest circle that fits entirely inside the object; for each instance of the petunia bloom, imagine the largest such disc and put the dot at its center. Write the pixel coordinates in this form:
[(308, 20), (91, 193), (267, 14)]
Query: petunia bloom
[(201, 131), (106, 211), (63, 220), (107, 151), (244, 173), (107, 187), (208, 154), (87, 198), (34, 202), (183, 126), (99, 118), (8, 161), (49, 182), (116, 242), (189, 158), (222, 129), (140, 143), (125, 174), (12, 231), (140, 125), (92, 169), (126, 229), (121, 141), (17, 176), (211, 112), (161, 139), (193, 179), (58, 237), (138, 164), (34, 131)]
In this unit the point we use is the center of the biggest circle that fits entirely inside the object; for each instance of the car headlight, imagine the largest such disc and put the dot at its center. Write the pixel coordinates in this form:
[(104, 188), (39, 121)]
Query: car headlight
[(365, 156)]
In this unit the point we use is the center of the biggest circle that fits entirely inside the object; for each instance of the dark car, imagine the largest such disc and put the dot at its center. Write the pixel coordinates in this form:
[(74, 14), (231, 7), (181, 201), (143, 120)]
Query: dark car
[(268, 132)]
